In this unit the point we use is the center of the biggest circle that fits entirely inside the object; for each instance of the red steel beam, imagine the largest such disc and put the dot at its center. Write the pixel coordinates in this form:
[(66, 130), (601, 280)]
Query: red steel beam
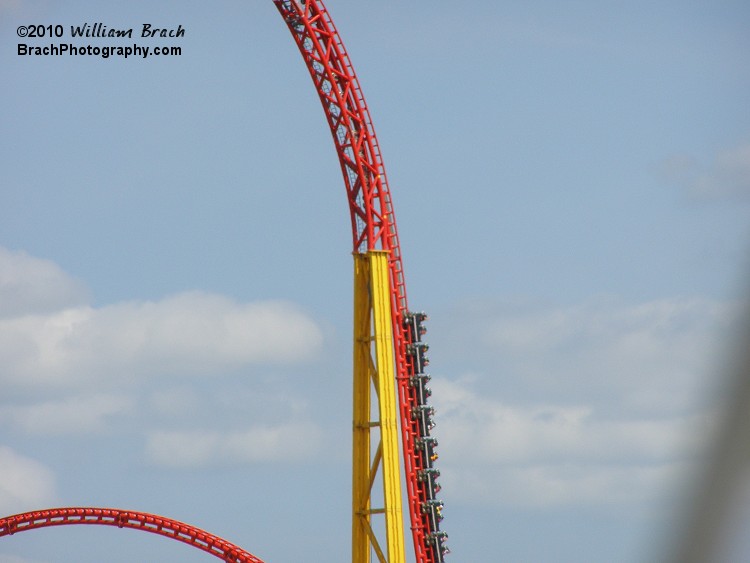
[(159, 525)]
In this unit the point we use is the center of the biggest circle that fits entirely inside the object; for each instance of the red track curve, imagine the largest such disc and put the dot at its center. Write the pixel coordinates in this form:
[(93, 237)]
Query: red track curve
[(128, 519), (374, 228)]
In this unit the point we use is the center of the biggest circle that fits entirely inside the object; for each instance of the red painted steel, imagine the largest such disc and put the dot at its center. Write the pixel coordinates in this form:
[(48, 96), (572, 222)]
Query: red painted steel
[(128, 519), (373, 223)]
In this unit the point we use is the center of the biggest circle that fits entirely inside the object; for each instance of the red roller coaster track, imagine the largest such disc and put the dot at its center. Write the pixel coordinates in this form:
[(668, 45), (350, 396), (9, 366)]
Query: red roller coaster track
[(373, 228), (128, 519)]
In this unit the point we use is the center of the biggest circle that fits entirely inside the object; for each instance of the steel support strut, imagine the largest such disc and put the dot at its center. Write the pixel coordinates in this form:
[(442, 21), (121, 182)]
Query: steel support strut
[(373, 368), (374, 228)]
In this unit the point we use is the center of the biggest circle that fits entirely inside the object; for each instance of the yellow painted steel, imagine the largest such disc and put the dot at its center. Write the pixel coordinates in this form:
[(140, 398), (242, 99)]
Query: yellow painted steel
[(374, 368), (361, 413)]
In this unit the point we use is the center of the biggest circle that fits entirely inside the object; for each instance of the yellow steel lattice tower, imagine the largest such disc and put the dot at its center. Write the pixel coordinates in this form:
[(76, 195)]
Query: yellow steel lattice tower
[(375, 417)]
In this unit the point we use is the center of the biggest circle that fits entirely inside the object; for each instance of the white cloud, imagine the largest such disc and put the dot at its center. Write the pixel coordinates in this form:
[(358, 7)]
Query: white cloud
[(25, 484), (32, 285), (285, 442), (571, 484), (81, 353), (510, 434), (49, 336), (190, 333), (652, 356), (81, 414), (596, 403), (531, 455), (727, 177)]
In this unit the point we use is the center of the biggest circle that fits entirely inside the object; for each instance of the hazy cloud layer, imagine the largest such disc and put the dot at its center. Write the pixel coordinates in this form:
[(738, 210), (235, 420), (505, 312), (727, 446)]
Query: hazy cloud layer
[(609, 409), (48, 335), (51, 341), (508, 434), (585, 403), (284, 442), (30, 285), (25, 484), (571, 484), (727, 177), (646, 356), (72, 415), (537, 455), (190, 333), (47, 338)]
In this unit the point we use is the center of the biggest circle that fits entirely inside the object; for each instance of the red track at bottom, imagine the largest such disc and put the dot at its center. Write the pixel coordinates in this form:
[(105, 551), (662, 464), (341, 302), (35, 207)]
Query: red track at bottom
[(128, 519)]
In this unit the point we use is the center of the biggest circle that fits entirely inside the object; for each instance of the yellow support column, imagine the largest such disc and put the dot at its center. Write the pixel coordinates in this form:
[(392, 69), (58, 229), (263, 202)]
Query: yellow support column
[(361, 413), (374, 368)]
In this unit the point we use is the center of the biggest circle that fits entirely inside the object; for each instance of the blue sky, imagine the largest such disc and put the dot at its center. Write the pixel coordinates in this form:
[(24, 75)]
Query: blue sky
[(572, 189)]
